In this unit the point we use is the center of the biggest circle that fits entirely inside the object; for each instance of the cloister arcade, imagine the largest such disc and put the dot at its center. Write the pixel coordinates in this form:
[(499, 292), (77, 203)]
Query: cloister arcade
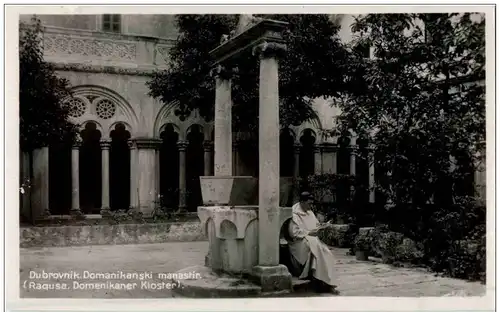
[(103, 171)]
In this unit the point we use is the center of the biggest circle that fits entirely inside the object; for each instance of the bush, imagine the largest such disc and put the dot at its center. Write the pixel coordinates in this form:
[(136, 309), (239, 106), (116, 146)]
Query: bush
[(338, 235), (333, 197), (435, 231), (467, 259), (390, 246), (363, 242)]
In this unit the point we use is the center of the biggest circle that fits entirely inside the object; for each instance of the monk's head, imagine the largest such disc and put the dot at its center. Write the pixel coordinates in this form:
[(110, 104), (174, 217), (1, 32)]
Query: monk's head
[(306, 200)]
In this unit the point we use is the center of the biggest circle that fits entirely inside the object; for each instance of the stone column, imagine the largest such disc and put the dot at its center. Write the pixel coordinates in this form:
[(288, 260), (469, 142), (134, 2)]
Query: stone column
[(25, 184), (157, 172), (269, 273), (207, 157), (182, 145), (334, 158), (105, 145), (40, 202), (75, 177), (133, 174), (222, 122), (318, 165), (371, 173), (352, 166), (296, 171), (146, 168)]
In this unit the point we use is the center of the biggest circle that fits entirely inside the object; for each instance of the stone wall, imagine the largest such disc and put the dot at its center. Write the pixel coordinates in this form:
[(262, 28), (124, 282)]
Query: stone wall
[(61, 236)]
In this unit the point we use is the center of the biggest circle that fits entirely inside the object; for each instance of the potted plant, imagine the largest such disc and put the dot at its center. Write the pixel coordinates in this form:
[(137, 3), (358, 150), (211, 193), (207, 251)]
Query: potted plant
[(362, 246)]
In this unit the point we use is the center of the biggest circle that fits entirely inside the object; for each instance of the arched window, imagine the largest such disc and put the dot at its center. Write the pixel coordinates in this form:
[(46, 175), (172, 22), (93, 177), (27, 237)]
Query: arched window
[(169, 167), (119, 165), (90, 170), (194, 167)]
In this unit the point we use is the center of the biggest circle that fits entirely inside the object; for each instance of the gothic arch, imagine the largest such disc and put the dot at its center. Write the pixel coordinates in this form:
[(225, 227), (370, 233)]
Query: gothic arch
[(313, 134), (190, 127), (112, 126), (98, 125), (166, 116), (92, 103), (314, 124), (174, 126)]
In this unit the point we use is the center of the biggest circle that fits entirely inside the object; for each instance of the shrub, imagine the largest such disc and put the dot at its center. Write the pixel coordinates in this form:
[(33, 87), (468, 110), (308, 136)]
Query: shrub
[(409, 251), (333, 197), (364, 242), (338, 235)]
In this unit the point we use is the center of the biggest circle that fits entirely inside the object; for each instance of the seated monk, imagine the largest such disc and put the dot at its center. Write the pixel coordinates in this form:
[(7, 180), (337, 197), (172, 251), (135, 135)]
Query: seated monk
[(310, 258)]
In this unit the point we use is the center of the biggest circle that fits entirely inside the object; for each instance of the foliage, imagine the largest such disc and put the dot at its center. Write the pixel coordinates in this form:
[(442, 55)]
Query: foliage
[(363, 242), (419, 101), (314, 53), (43, 116), (337, 235), (449, 239), (334, 196)]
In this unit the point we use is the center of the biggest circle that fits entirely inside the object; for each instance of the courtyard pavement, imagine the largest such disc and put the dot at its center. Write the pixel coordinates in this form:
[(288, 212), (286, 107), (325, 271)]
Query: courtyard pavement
[(355, 278)]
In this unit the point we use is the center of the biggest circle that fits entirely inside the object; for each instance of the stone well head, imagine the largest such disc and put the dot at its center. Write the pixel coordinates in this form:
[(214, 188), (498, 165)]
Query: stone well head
[(240, 191), (233, 235)]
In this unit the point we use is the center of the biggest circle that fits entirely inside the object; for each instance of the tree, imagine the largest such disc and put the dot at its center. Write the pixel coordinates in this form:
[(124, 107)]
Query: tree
[(419, 101), (311, 68), (43, 116)]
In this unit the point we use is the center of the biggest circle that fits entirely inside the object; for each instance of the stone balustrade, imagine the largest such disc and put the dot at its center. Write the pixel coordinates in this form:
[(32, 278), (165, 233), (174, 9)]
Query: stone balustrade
[(99, 51)]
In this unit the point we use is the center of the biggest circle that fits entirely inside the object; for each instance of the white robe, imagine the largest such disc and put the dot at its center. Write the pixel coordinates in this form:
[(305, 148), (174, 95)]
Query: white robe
[(313, 255)]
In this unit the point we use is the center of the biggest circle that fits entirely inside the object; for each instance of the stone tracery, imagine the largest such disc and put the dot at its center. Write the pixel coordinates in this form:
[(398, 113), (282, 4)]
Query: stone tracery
[(105, 109), (76, 107)]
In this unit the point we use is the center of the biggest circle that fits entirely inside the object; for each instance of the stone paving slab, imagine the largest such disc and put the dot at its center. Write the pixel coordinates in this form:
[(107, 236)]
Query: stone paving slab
[(355, 278)]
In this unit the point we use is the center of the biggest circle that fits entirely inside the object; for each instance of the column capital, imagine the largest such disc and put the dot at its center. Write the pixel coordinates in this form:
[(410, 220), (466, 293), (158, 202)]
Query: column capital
[(329, 148), (147, 143), (317, 148), (224, 72), (269, 50), (105, 144), (131, 144), (297, 147), (352, 148), (77, 141), (208, 145), (182, 145)]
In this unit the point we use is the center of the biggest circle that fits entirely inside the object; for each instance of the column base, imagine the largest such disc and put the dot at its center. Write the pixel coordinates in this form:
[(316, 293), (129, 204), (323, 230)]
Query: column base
[(75, 212), (272, 278), (105, 212)]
